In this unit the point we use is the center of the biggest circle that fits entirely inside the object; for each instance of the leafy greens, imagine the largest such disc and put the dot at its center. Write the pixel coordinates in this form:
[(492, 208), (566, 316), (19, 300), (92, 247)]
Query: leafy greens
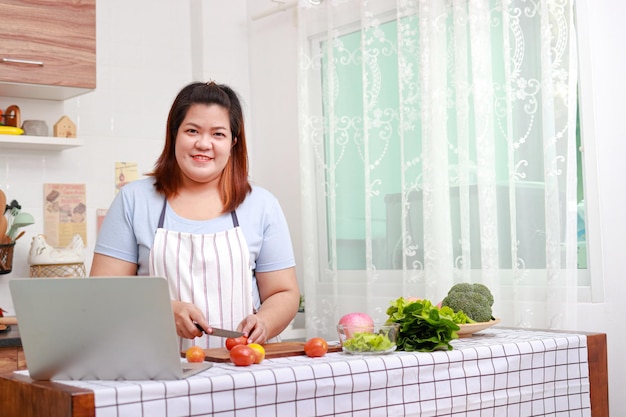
[(368, 342), (424, 327)]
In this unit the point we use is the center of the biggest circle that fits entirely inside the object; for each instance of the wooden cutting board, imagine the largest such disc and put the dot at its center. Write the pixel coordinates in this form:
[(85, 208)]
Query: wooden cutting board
[(272, 350), (7, 321)]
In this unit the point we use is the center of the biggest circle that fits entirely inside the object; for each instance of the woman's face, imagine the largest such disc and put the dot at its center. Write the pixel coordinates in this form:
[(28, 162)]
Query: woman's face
[(203, 143)]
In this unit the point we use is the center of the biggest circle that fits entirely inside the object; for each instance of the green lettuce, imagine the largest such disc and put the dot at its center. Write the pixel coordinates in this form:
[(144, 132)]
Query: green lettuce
[(424, 327), (368, 342)]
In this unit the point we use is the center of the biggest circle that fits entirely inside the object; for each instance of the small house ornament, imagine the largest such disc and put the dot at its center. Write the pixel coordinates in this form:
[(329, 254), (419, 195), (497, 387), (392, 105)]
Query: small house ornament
[(64, 128)]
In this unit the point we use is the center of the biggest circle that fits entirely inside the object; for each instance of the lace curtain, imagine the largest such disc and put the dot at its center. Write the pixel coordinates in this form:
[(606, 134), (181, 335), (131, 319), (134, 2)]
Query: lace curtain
[(438, 145)]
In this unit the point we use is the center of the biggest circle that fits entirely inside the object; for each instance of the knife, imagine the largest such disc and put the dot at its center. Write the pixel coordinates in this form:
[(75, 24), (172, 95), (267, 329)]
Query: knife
[(220, 332)]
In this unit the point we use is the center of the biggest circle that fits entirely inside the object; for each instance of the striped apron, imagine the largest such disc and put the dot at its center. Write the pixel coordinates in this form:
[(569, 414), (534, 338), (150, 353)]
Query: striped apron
[(211, 271)]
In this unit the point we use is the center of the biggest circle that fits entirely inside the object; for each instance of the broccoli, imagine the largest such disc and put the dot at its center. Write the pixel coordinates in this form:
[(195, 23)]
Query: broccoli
[(482, 288), (475, 300)]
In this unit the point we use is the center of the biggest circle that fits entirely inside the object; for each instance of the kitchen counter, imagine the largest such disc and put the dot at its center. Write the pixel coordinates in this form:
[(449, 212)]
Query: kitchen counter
[(502, 371)]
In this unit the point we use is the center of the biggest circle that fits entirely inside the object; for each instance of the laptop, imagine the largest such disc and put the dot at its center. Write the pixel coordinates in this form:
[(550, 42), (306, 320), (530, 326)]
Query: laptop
[(104, 328)]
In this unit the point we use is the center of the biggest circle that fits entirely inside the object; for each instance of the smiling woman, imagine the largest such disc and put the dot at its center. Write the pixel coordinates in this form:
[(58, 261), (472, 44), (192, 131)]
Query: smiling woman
[(223, 245), (203, 145)]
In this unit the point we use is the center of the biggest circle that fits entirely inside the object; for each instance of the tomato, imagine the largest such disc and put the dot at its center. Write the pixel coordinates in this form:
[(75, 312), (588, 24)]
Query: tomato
[(195, 354), (315, 347), (231, 342), (242, 355), (259, 351)]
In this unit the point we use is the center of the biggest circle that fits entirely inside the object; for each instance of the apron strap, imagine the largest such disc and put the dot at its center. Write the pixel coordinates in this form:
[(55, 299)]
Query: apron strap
[(233, 214), (162, 217)]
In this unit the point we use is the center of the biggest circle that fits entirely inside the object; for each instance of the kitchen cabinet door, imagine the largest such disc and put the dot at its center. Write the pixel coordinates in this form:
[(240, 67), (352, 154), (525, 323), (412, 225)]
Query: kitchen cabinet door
[(11, 359), (47, 43)]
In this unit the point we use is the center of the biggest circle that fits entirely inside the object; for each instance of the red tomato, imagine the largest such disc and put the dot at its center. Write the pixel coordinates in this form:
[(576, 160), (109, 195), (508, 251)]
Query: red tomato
[(242, 355), (195, 354), (315, 347), (231, 342)]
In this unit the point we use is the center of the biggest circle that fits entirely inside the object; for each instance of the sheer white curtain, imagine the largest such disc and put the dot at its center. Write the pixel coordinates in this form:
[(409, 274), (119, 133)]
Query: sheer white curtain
[(438, 145)]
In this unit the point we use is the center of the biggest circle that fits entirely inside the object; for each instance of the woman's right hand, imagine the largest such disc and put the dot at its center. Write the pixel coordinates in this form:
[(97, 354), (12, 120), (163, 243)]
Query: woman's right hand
[(186, 315)]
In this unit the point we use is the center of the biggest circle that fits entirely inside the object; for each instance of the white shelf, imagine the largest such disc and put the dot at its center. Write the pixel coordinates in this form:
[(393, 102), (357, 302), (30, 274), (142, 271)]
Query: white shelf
[(44, 143), (40, 91)]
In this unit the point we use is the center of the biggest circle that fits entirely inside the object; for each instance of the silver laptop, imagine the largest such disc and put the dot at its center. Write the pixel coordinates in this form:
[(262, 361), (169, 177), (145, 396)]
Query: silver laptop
[(113, 328)]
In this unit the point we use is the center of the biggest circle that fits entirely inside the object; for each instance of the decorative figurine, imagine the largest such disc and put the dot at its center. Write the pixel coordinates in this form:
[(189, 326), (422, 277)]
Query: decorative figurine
[(41, 253), (64, 128)]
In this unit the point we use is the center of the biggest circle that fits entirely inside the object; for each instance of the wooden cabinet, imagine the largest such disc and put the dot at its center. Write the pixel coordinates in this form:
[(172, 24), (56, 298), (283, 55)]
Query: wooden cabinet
[(47, 48), (11, 353), (11, 359)]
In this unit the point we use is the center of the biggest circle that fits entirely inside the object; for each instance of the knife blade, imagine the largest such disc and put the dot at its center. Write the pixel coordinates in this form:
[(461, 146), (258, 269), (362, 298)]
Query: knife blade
[(220, 332)]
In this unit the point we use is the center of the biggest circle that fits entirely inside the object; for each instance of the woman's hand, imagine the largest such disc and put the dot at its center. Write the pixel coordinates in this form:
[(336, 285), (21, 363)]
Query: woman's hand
[(186, 315), (280, 298), (255, 328)]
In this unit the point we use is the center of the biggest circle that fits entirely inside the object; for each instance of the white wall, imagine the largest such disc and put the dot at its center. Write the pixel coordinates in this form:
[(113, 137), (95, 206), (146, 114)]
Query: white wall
[(146, 54), (607, 33), (274, 121)]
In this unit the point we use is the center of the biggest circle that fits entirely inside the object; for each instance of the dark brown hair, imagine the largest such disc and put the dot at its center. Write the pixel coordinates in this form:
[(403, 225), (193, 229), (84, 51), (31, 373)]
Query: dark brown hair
[(234, 185)]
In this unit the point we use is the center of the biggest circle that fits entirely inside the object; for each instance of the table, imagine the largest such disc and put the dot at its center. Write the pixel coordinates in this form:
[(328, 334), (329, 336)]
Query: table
[(496, 372)]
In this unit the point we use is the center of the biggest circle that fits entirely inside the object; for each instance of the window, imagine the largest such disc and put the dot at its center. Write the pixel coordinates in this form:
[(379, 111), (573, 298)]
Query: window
[(346, 155)]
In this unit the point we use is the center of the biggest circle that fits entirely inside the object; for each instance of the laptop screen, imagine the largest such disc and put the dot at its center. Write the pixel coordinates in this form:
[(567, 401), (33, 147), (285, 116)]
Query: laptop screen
[(101, 328)]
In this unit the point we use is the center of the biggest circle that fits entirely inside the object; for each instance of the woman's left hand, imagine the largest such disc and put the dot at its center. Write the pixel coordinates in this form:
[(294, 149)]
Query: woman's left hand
[(279, 303), (255, 328)]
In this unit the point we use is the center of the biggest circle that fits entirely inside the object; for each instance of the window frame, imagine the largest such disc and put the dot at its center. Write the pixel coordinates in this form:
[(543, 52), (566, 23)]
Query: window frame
[(594, 291)]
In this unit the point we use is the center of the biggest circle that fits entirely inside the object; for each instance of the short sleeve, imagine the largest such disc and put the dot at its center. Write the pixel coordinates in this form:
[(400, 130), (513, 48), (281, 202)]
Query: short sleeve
[(116, 237), (276, 249)]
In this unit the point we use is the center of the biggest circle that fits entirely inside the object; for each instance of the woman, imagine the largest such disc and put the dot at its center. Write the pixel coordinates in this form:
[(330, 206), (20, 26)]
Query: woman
[(222, 244)]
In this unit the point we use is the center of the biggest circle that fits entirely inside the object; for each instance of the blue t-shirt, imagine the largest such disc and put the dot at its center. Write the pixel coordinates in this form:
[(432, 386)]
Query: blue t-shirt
[(131, 222)]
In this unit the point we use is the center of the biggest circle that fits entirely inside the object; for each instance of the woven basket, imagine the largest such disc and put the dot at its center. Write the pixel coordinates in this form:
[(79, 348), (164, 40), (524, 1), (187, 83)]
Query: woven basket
[(76, 270), (6, 258)]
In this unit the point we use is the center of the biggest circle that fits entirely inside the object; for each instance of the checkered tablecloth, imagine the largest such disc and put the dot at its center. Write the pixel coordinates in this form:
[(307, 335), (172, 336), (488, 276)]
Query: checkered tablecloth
[(496, 373)]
